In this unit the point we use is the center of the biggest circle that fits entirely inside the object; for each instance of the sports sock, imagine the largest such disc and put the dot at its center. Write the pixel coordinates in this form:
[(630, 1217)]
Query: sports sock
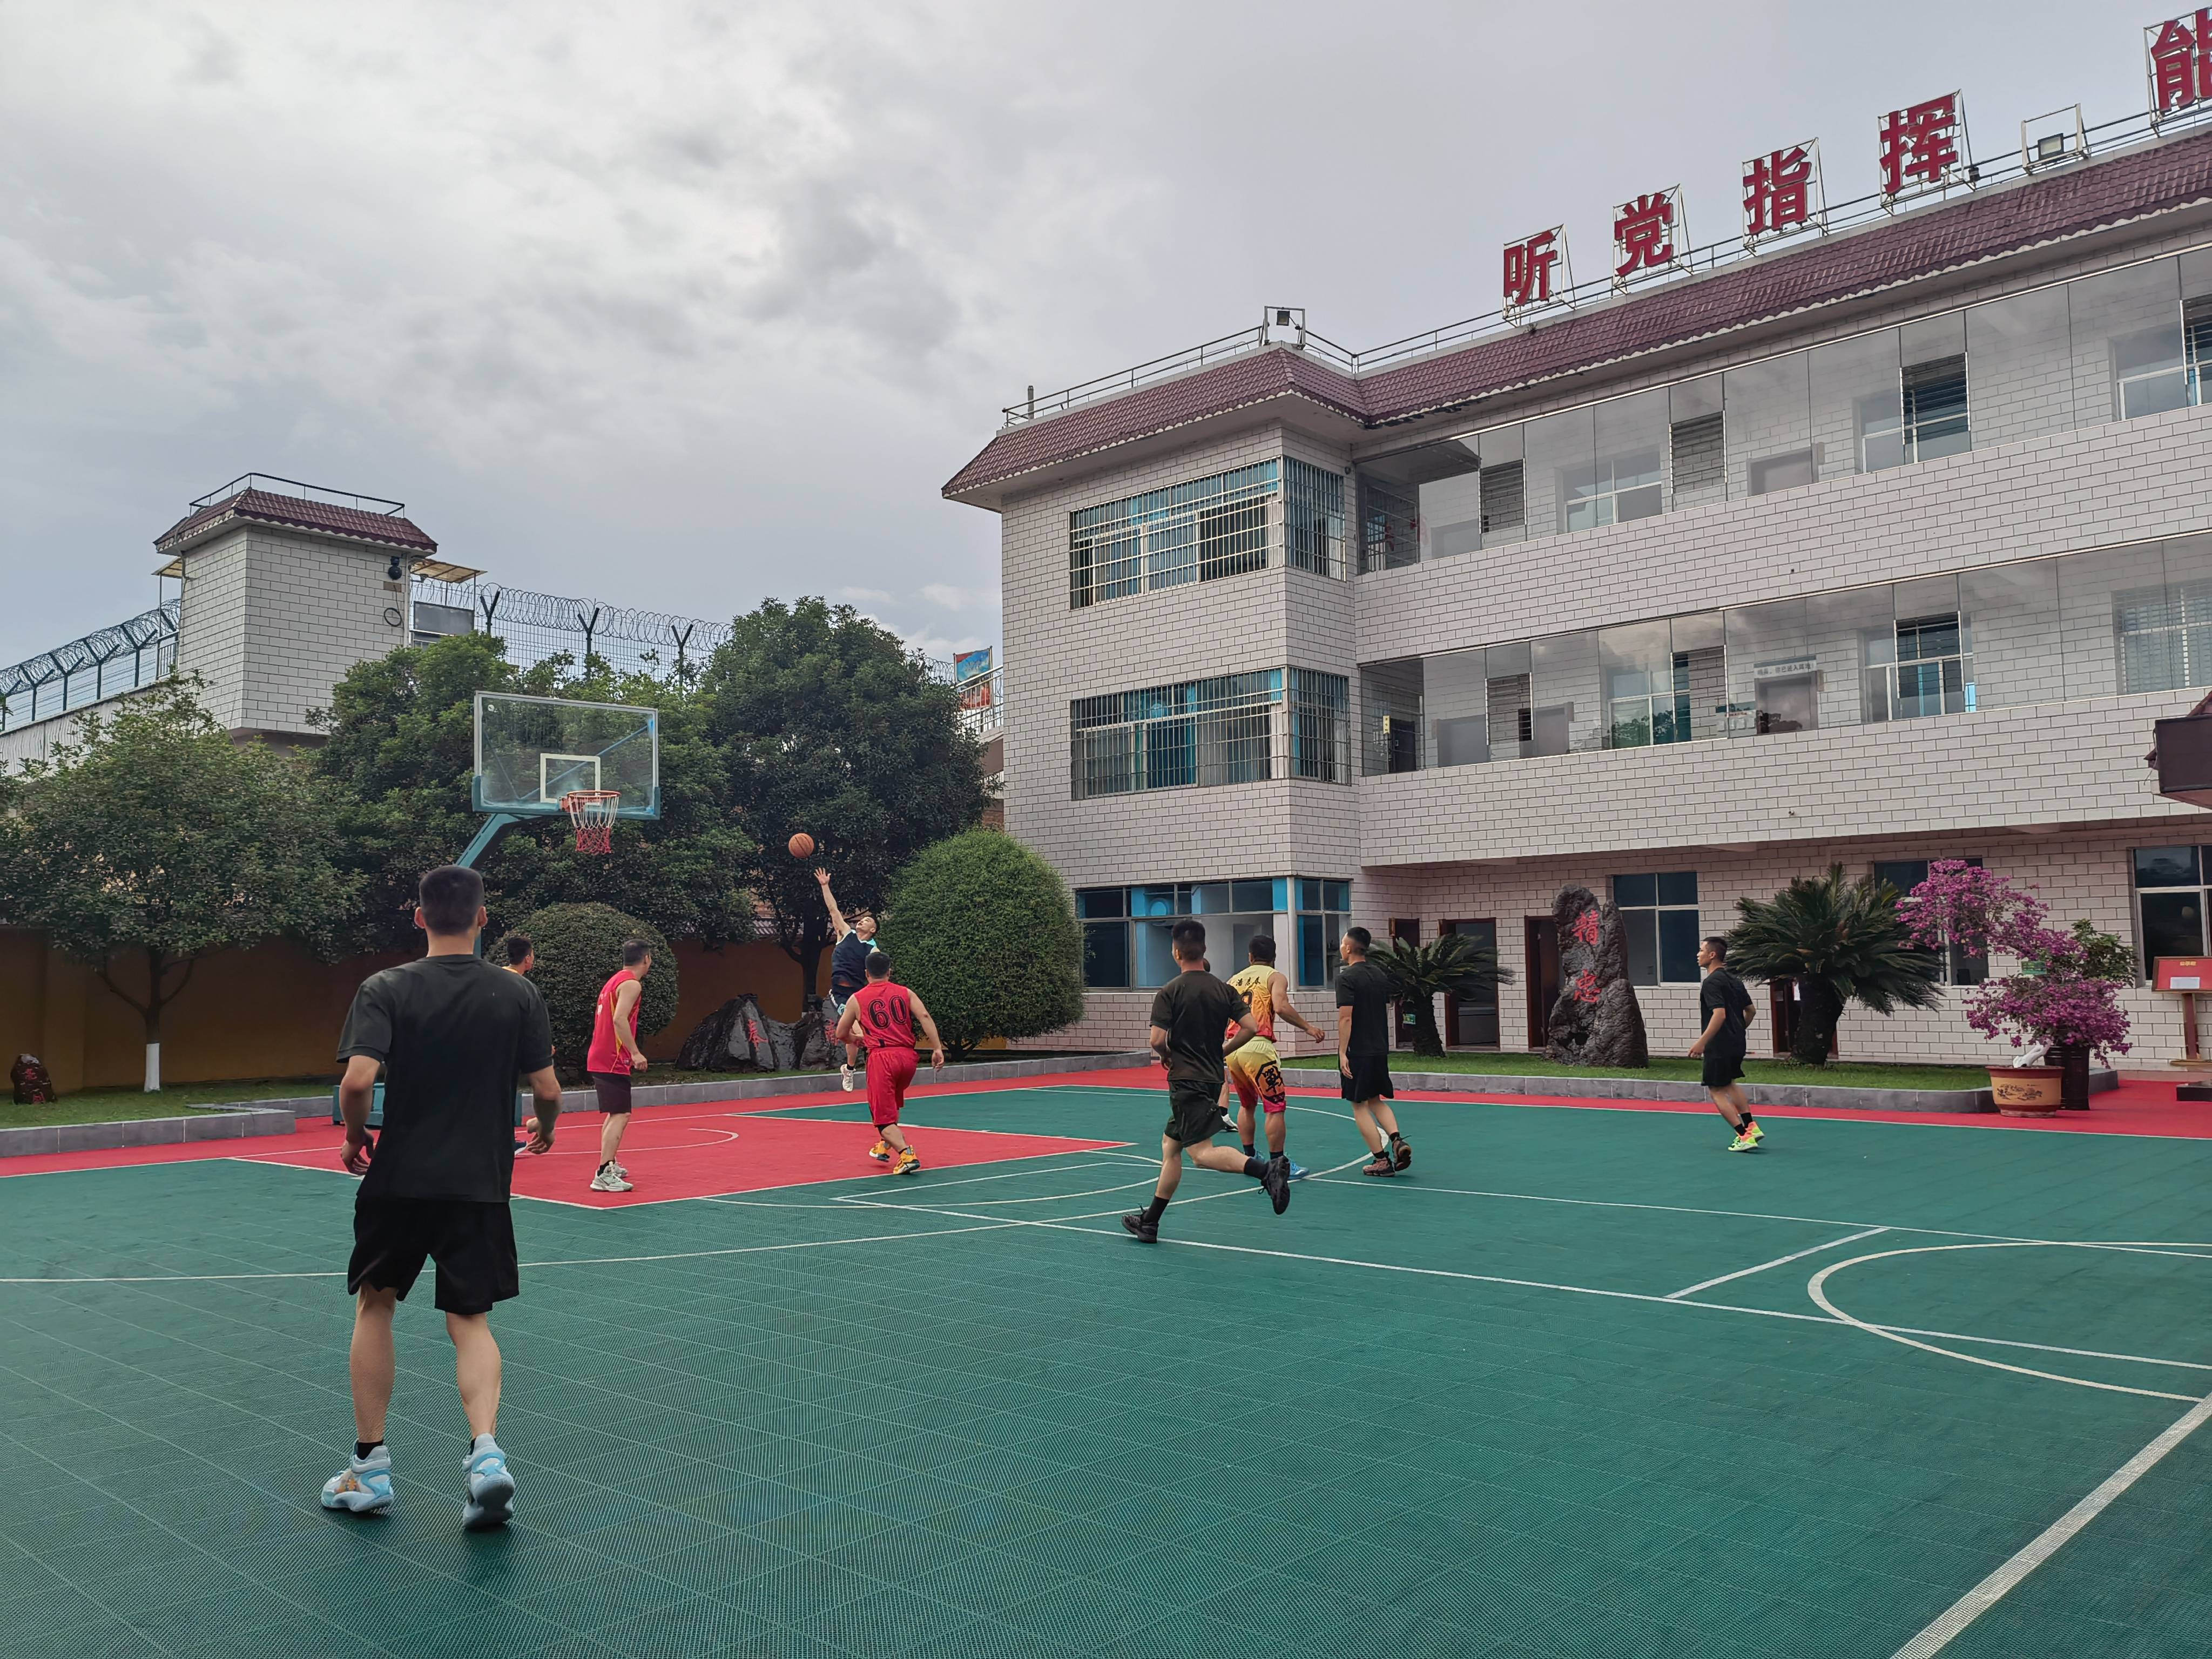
[(1250, 1148), (1748, 1119), (1395, 1138), (364, 1449), (1255, 1167), (1156, 1209)]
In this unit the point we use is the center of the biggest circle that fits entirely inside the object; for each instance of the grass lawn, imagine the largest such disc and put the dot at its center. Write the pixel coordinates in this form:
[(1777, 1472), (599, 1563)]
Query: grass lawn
[(1837, 1074), (109, 1106)]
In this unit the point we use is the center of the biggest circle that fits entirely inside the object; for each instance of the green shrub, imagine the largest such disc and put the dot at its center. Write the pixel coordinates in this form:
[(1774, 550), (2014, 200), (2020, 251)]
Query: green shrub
[(985, 931), (579, 946)]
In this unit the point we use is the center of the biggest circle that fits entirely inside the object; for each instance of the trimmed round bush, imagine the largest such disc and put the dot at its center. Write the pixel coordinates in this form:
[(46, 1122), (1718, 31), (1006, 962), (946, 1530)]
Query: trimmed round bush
[(579, 946), (985, 931)]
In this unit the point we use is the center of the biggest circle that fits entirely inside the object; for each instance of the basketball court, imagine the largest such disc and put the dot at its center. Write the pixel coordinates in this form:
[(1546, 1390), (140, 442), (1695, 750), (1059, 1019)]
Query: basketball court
[(1580, 1383)]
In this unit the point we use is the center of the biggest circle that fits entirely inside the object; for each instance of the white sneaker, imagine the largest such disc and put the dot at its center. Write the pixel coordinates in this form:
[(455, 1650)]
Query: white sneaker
[(609, 1180), (845, 1077), (621, 1172)]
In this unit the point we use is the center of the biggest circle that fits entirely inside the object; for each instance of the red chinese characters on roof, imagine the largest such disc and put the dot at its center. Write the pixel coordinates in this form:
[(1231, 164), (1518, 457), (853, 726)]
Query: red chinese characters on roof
[(1782, 192), (1923, 147), (1648, 234), (2179, 53), (1535, 269)]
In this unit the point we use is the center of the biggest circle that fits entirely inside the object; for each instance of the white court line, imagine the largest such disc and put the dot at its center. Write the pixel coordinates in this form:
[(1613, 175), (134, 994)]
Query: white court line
[(2048, 1542), (1778, 1261)]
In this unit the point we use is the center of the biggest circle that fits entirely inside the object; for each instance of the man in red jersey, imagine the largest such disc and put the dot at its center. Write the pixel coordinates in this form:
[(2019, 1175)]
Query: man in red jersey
[(614, 1055), (884, 1015)]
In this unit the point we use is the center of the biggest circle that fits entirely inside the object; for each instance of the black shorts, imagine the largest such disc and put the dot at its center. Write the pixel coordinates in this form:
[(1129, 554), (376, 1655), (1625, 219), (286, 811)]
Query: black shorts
[(1370, 1078), (1194, 1113), (614, 1091), (473, 1245), (1722, 1066)]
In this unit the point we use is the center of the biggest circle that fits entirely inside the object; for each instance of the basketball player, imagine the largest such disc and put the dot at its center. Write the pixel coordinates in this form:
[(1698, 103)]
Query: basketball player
[(521, 955), (884, 1015), (1255, 1070), (1721, 1046), (1363, 1053), (450, 1032), (1188, 1014), (614, 1056)]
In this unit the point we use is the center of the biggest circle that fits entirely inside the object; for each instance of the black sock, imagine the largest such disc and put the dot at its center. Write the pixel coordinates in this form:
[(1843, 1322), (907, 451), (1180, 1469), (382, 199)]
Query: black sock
[(1250, 1148), (1156, 1209), (362, 1448), (1395, 1138), (1255, 1167), (1746, 1115)]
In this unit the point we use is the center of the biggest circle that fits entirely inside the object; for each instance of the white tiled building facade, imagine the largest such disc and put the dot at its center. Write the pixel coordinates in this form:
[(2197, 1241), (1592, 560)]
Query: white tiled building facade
[(1887, 549)]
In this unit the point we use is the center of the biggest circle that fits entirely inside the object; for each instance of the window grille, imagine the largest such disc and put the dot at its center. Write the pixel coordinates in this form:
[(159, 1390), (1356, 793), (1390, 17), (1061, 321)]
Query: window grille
[(2166, 636), (1504, 497), (1700, 460), (1321, 727), (1313, 519), (1196, 532), (2196, 341), (1389, 528), (1934, 669), (1936, 409), (1198, 732)]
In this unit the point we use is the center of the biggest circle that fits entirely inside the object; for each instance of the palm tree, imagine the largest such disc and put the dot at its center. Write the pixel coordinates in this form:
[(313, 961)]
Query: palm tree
[(1842, 941), (1452, 963)]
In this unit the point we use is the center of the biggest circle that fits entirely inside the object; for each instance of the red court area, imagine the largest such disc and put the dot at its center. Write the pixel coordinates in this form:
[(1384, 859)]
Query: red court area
[(671, 1152)]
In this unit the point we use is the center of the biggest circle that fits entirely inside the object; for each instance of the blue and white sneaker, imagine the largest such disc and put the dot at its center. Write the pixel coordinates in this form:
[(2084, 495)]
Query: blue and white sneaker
[(491, 1488), (363, 1485), (1298, 1172)]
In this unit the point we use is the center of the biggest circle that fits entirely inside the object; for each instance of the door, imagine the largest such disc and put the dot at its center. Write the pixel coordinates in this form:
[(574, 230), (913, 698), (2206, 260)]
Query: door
[(1787, 703), (1781, 998), (1471, 1021), (1406, 930), (1541, 940)]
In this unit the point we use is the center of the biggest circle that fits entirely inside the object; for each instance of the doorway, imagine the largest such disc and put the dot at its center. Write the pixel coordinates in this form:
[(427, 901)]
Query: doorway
[(1782, 1001), (1541, 941), (1404, 1015), (1471, 1021)]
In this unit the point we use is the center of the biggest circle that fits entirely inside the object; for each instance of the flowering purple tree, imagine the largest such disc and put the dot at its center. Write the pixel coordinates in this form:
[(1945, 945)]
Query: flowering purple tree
[(2061, 994)]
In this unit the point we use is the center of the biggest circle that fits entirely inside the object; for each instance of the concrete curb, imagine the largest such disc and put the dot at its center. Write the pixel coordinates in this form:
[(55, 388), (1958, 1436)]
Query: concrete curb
[(770, 1084), (206, 1123), (1762, 1094)]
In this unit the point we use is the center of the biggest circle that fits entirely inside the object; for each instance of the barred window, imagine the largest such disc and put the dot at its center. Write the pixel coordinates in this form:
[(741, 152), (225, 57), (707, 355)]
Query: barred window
[(1313, 519), (1199, 734), (1196, 532)]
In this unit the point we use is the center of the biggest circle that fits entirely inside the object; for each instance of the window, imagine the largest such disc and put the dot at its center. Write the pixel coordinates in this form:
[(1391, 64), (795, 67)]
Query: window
[(1504, 498), (1935, 672), (1646, 707), (1958, 966), (2170, 902), (1613, 491), (1700, 462), (2197, 343), (1659, 913), (2166, 635), (1936, 409), (1196, 532), (1313, 519), (1206, 732), (1129, 931), (1389, 527), (1321, 727), (1324, 912)]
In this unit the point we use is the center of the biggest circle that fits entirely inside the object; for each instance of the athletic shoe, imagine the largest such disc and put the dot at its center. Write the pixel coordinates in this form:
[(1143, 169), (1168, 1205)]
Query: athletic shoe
[(1145, 1231), (491, 1489), (1298, 1172), (609, 1181), (1404, 1153), (620, 1170), (909, 1162), (881, 1151), (363, 1486), (845, 1077), (1381, 1164), (1754, 1130), (1746, 1142), (1277, 1181)]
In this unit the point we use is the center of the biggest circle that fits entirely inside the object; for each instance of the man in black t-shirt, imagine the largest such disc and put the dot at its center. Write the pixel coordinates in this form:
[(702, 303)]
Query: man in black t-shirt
[(1363, 1053), (1189, 1015), (1725, 1007), (848, 969), (450, 1032)]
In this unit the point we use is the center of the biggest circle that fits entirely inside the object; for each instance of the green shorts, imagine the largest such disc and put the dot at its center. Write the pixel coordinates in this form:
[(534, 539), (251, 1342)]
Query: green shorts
[(1194, 1113)]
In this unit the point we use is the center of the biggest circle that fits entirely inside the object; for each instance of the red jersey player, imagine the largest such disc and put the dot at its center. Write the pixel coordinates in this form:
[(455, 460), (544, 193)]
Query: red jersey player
[(884, 1015)]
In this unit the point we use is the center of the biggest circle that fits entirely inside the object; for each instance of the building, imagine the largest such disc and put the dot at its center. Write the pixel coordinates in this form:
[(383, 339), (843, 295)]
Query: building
[(1885, 543)]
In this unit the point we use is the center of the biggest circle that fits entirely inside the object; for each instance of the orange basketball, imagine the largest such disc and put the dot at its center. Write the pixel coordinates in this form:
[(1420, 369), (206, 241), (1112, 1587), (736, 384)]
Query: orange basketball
[(802, 845)]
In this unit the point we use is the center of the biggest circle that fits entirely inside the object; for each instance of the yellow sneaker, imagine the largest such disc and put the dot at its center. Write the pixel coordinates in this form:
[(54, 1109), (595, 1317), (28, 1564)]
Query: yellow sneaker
[(881, 1151), (909, 1162), (1746, 1142), (1756, 1133)]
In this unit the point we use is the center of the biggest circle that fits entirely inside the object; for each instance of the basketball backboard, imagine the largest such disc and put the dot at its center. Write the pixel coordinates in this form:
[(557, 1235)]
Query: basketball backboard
[(530, 751)]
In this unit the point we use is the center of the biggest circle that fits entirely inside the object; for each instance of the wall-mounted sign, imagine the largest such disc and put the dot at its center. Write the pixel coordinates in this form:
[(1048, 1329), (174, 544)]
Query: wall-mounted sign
[(1791, 670)]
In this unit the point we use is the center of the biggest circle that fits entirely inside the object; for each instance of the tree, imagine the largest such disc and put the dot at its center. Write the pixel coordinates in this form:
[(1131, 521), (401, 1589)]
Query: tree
[(1451, 964), (983, 929), (155, 836), (831, 726), (401, 749), (579, 946), (1842, 942)]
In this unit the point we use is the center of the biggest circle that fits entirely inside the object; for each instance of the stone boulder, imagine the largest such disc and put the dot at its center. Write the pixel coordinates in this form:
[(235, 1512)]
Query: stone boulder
[(738, 1036), (33, 1085), (1596, 1021)]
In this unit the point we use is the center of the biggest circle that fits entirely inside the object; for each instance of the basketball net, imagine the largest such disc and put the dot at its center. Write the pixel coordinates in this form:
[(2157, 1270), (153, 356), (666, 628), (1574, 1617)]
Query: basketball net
[(593, 812)]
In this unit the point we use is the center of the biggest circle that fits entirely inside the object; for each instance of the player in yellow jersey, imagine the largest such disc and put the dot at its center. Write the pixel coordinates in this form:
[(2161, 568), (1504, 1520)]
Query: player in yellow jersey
[(1255, 1071)]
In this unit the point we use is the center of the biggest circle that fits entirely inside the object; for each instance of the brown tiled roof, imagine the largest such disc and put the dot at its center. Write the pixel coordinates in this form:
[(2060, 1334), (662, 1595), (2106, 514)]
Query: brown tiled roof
[(266, 507), (2059, 205)]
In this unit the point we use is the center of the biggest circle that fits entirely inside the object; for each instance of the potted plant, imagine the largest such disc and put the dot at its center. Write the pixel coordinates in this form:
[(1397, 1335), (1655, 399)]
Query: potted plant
[(2062, 999)]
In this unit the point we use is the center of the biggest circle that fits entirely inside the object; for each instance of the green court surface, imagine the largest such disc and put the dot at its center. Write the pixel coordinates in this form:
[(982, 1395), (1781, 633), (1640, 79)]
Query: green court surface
[(1480, 1409)]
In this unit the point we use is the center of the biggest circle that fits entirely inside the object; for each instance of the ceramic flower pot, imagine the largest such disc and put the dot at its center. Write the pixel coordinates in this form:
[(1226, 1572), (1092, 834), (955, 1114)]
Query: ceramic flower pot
[(2028, 1091)]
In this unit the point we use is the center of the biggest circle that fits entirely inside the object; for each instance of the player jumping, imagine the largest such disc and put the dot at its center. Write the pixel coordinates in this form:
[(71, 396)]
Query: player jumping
[(1255, 1069), (883, 1016)]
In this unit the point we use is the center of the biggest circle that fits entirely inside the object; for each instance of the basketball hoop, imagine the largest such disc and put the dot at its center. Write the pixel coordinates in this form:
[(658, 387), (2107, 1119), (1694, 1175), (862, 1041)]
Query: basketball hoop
[(593, 812)]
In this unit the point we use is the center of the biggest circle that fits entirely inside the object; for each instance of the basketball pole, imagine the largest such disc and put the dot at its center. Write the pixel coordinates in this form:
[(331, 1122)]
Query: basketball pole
[(493, 824)]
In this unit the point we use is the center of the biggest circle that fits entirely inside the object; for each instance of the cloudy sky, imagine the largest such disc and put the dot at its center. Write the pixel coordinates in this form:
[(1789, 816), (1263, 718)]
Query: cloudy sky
[(684, 306)]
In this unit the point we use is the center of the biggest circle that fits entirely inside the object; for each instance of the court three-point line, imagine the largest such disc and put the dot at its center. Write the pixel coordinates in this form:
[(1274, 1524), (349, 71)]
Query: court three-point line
[(1778, 1261)]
